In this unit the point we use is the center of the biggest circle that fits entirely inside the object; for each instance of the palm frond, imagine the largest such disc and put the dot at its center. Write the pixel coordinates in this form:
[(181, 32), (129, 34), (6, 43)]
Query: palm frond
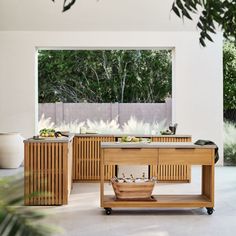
[(15, 218)]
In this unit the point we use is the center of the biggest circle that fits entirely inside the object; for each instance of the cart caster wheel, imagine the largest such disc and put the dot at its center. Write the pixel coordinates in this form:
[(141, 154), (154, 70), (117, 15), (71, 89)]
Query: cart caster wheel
[(210, 211), (108, 211)]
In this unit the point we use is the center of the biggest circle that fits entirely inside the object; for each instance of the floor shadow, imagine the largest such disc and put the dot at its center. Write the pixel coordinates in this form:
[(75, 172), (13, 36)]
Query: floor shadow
[(159, 212)]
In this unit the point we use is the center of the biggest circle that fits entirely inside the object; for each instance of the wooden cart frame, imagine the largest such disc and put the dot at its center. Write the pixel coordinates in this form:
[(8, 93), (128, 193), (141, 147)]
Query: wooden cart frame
[(203, 156)]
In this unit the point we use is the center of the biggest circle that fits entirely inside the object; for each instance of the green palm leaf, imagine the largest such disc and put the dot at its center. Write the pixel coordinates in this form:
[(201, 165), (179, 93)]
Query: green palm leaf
[(15, 218)]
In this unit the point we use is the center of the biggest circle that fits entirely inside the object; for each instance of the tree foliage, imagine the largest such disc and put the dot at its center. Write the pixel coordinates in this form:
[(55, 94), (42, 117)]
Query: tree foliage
[(213, 13), (67, 4), (104, 75), (229, 76)]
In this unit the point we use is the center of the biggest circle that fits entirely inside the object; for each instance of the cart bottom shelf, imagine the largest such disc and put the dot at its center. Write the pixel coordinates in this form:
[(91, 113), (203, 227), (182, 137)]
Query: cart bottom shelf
[(167, 201)]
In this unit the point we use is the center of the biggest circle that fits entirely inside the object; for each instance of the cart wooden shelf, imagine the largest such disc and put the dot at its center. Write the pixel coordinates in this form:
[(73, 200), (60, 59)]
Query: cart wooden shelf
[(153, 154)]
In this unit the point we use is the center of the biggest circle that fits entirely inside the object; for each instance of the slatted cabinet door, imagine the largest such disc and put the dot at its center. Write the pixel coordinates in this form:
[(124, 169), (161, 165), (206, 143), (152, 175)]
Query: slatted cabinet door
[(86, 158), (171, 173), (47, 181), (171, 139)]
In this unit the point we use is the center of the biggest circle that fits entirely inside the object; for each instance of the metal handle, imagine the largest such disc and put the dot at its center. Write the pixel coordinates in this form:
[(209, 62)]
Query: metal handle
[(131, 148)]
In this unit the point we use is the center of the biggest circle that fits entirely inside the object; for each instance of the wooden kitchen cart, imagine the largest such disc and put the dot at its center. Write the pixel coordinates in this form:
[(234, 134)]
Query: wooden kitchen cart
[(86, 158), (161, 153), (48, 171)]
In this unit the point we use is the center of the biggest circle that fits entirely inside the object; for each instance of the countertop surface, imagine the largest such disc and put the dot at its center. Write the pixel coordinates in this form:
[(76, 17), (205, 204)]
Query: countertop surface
[(71, 136), (154, 145), (136, 135), (50, 140)]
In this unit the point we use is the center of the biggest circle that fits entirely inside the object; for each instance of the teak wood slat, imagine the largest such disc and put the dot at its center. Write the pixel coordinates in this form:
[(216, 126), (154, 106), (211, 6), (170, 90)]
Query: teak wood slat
[(48, 173), (171, 172), (86, 159)]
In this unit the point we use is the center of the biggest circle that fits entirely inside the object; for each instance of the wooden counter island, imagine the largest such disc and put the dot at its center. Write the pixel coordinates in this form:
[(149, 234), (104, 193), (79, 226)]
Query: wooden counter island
[(115, 153), (48, 170)]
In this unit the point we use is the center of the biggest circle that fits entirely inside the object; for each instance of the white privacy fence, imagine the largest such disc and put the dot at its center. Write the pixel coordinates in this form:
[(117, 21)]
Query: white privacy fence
[(70, 112)]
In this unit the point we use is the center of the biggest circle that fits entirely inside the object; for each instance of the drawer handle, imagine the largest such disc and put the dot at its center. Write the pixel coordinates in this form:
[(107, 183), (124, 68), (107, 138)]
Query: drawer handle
[(131, 149), (180, 148)]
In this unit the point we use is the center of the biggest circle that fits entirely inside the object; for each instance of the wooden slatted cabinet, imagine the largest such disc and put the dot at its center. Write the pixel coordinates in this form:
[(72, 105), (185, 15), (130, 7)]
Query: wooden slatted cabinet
[(86, 158), (171, 172), (48, 171)]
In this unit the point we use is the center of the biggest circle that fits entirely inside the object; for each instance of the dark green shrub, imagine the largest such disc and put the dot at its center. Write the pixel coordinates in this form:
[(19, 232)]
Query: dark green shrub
[(104, 75)]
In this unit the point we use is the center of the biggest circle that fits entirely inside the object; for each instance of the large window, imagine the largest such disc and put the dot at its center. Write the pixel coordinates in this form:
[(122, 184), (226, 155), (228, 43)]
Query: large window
[(119, 86)]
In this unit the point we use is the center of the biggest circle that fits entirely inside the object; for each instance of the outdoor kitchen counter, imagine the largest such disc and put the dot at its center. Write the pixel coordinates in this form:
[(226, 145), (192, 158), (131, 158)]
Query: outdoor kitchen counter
[(87, 156), (136, 135), (48, 169), (51, 140), (187, 145)]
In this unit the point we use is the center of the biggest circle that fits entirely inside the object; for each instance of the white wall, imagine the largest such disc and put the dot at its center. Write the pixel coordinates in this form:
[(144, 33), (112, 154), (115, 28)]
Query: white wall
[(198, 77), (91, 15), (197, 90)]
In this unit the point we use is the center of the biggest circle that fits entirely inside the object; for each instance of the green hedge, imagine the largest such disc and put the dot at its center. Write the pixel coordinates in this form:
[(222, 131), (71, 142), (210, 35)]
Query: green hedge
[(229, 76), (104, 75)]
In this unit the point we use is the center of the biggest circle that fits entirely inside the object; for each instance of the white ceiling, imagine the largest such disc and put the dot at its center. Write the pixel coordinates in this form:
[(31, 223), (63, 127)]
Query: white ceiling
[(91, 15)]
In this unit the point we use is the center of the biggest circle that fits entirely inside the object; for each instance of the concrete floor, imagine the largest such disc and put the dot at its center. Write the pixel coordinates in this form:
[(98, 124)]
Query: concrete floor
[(83, 217)]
